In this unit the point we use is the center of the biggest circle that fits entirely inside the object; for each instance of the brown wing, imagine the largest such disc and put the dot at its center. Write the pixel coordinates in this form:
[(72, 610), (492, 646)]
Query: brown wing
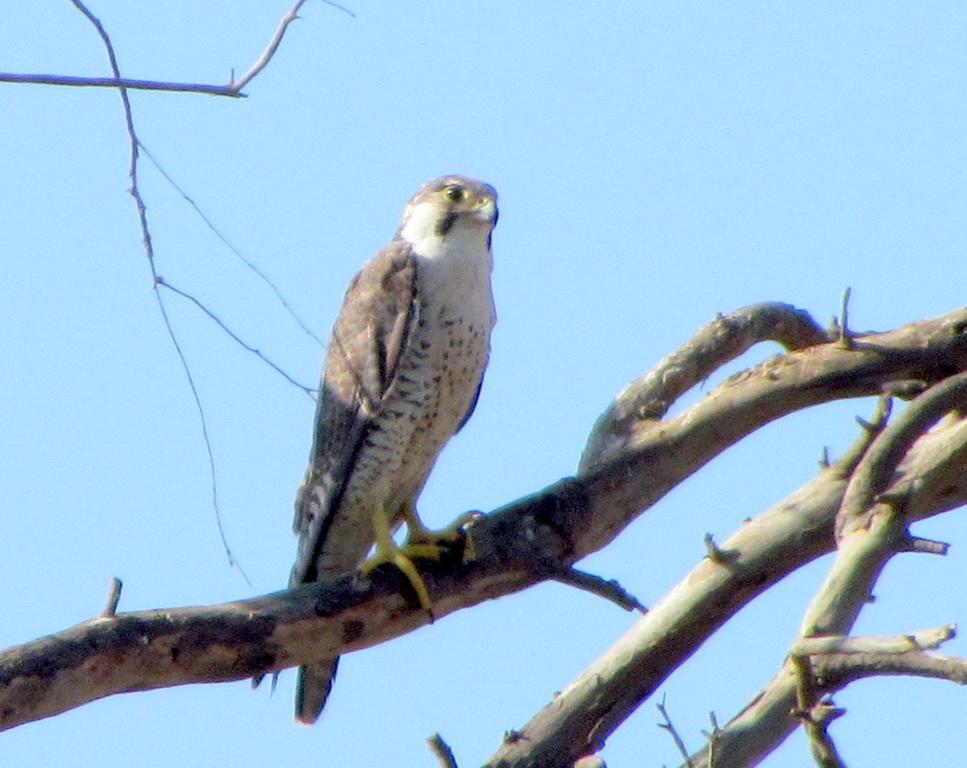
[(368, 339)]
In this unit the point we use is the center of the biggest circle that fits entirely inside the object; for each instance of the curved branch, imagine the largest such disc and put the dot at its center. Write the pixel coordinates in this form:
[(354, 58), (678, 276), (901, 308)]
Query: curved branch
[(609, 589), (869, 528), (766, 721), (263, 61), (232, 89), (924, 640), (517, 546), (765, 550), (715, 344), (823, 666), (888, 449), (655, 459), (834, 671)]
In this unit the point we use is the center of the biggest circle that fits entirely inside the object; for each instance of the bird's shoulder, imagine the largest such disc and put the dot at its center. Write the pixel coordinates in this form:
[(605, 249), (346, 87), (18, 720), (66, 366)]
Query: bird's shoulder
[(383, 287), (373, 328)]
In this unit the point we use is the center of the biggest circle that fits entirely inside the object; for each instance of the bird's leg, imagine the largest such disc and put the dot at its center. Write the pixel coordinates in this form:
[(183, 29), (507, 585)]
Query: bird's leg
[(388, 551)]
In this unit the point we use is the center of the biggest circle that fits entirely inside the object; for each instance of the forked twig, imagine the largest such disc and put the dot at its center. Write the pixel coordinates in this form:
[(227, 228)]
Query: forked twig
[(232, 89), (149, 252), (247, 347), (228, 244)]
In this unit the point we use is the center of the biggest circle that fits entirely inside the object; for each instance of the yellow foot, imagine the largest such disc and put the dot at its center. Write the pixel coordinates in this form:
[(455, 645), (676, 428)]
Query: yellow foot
[(417, 533), (388, 551)]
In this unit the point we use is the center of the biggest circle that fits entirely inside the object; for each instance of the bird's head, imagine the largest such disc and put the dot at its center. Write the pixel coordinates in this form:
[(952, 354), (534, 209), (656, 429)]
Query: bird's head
[(449, 204)]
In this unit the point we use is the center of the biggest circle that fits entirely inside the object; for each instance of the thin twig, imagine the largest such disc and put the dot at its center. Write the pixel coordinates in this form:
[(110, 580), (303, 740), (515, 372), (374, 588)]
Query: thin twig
[(113, 598), (815, 714), (881, 416), (263, 60), (339, 7), (924, 546), (824, 461), (235, 337), (76, 81), (609, 589), (149, 252), (668, 726), (845, 339), (238, 254), (273, 45), (713, 737), (232, 89), (715, 553), (442, 750)]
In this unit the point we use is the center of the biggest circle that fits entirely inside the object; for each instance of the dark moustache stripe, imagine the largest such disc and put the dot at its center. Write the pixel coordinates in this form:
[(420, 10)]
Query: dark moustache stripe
[(446, 223)]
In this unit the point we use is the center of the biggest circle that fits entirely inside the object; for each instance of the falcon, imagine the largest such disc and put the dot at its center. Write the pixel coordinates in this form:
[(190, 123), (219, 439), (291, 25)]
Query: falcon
[(402, 375)]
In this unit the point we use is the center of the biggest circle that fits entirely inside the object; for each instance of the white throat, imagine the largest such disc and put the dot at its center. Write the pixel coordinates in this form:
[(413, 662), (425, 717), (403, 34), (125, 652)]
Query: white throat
[(457, 264), (466, 241)]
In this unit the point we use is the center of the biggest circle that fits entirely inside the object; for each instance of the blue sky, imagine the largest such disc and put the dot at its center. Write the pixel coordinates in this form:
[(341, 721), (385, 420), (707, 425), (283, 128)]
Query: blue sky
[(657, 164)]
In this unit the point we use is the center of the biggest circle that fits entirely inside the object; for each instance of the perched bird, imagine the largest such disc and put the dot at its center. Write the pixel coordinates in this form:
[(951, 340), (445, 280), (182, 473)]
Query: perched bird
[(402, 376)]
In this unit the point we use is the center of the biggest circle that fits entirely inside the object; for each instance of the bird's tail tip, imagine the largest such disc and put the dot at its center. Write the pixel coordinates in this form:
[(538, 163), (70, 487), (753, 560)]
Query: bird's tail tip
[(312, 690)]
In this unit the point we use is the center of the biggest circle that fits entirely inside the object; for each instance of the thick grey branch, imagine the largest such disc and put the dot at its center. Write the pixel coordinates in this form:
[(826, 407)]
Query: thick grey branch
[(870, 532), (837, 670), (923, 640), (827, 664), (654, 460), (517, 546), (764, 551), (890, 446), (646, 400), (766, 721)]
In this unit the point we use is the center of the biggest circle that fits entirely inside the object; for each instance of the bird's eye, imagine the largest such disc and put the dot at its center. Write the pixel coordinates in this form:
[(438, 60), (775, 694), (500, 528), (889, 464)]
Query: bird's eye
[(454, 194)]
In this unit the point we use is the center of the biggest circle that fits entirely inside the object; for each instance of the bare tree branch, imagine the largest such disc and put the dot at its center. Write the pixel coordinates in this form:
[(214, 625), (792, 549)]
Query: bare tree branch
[(149, 252), (442, 751), (251, 265), (77, 81), (815, 713), (529, 541), (828, 664), (924, 640), (929, 351), (263, 60), (800, 529), (861, 555), (232, 89), (669, 726), (236, 338), (609, 589), (645, 401), (869, 532), (834, 671), (889, 448), (769, 547)]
